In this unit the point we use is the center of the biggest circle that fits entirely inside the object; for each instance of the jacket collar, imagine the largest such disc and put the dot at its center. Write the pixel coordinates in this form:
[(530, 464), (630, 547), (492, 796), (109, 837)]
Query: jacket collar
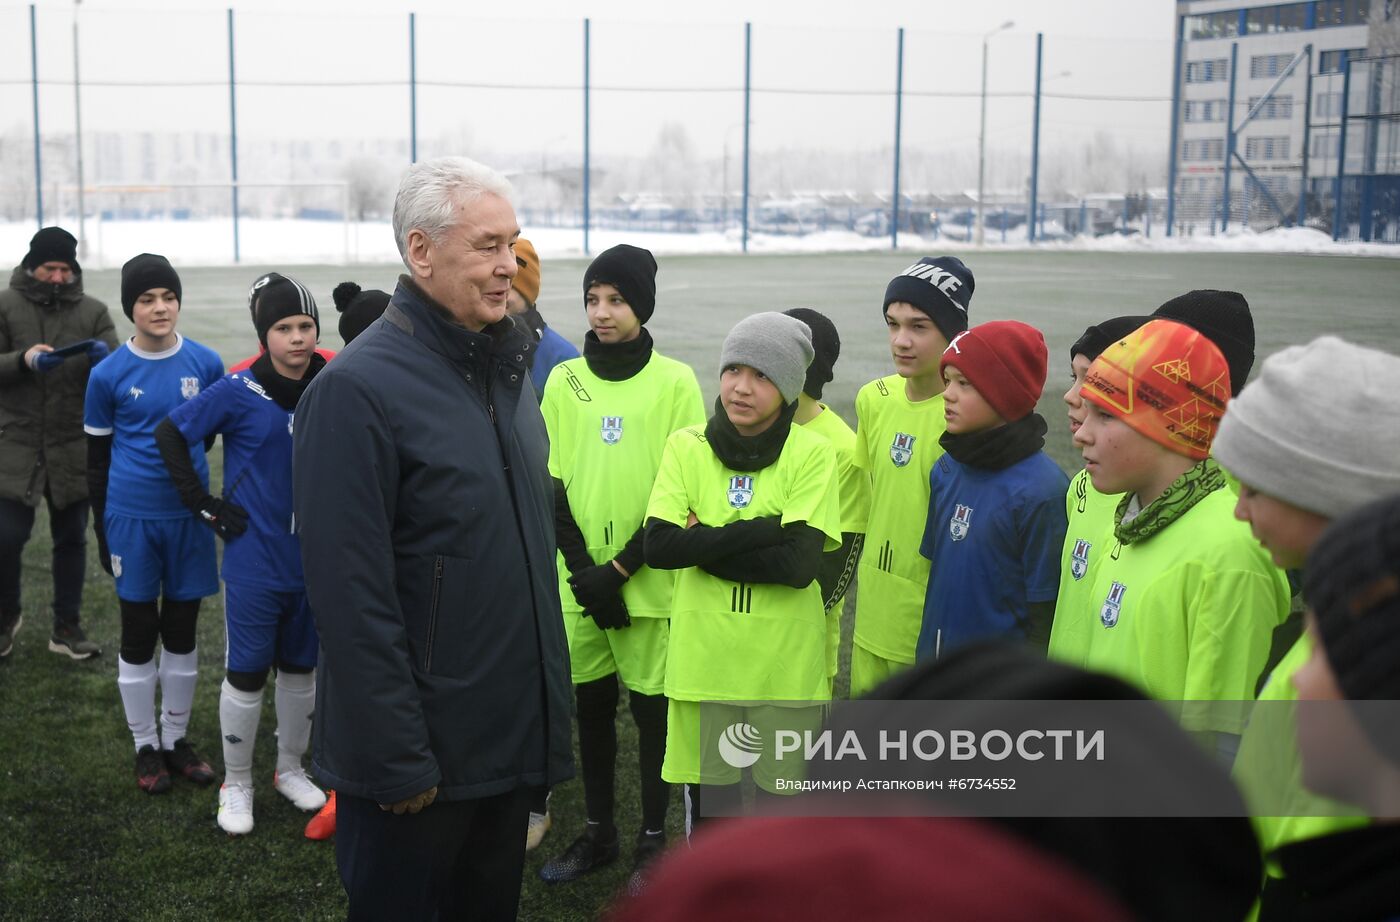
[(430, 323), (46, 293)]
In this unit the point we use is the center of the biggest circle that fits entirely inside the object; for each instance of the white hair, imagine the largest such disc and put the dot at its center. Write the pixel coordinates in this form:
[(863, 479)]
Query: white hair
[(431, 192)]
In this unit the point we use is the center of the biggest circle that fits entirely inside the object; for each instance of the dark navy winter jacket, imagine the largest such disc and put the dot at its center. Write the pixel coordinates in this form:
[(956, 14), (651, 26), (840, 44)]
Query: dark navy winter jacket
[(425, 510)]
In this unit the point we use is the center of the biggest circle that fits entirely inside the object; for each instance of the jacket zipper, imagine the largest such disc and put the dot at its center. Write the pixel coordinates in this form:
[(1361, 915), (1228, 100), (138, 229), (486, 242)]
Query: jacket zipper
[(433, 613)]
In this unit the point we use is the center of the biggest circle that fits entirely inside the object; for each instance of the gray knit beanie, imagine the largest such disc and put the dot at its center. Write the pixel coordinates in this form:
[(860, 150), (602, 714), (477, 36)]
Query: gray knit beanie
[(1324, 447), (776, 344)]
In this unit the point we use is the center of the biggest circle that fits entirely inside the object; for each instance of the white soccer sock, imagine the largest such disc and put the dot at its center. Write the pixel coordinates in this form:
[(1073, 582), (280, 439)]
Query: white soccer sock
[(137, 685), (295, 700), (238, 722), (178, 672)]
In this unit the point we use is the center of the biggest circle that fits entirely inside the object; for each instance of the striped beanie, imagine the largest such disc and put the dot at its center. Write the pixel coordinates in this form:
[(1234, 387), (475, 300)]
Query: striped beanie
[(282, 297)]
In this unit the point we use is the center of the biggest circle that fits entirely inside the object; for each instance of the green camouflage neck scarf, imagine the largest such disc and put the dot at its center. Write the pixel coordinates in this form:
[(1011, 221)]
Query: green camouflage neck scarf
[(1186, 491)]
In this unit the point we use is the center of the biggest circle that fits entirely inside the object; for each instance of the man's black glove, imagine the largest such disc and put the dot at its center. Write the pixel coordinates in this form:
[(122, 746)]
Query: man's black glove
[(229, 520), (595, 585), (610, 615)]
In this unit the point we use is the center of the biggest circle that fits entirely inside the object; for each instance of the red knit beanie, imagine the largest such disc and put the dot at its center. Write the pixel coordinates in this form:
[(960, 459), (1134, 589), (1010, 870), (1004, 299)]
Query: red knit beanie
[(1005, 360)]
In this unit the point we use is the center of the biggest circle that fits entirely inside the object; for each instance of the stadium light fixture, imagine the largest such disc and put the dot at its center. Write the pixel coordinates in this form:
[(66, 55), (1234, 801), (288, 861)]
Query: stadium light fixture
[(982, 135)]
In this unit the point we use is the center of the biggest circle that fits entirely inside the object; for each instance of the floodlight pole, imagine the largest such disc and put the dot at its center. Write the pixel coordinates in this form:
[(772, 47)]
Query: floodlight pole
[(982, 134), (34, 86), (78, 135)]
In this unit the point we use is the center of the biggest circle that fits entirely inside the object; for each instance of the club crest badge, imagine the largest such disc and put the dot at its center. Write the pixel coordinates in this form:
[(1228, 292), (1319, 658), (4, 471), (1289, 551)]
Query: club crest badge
[(1079, 560), (1113, 605), (612, 430), (740, 490), (902, 449), (961, 522), (189, 388)]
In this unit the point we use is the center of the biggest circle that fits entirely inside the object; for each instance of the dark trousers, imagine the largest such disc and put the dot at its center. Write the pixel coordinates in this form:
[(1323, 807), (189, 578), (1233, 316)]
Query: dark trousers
[(69, 530), (453, 860)]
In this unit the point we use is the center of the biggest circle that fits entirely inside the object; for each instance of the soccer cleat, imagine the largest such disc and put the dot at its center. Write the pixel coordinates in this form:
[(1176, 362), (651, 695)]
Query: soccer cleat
[(587, 853), (182, 760), (296, 787), (7, 635), (322, 826), (70, 640), (538, 826), (650, 847), (151, 775), (236, 809)]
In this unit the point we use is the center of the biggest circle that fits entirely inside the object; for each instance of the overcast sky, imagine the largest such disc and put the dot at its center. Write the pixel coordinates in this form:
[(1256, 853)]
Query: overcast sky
[(526, 62)]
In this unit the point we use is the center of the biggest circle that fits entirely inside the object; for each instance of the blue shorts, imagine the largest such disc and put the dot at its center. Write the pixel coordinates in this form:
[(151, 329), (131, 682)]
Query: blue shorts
[(154, 557), (268, 627)]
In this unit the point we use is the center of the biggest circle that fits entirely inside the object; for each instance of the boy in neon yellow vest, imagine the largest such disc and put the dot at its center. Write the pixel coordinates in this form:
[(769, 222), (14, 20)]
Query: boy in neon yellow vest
[(899, 419), (1185, 602), (744, 507)]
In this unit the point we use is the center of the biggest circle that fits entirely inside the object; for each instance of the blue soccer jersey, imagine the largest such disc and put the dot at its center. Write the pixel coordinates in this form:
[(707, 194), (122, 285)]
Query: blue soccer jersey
[(128, 394), (993, 539), (257, 436)]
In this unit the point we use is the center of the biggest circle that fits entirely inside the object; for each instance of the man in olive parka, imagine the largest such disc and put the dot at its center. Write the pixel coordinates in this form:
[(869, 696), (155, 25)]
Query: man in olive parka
[(51, 334)]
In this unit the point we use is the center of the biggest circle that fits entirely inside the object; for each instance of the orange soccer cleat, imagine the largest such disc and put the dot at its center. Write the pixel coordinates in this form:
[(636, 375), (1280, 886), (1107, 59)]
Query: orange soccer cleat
[(322, 825)]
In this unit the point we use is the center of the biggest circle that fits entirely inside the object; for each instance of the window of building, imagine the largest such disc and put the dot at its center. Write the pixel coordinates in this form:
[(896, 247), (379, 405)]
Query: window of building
[(1342, 13), (1288, 17), (1205, 110), (1270, 148), (1334, 62), (1268, 65), (1324, 145), (1274, 108), (1328, 105), (1203, 149), (1213, 25), (1211, 70)]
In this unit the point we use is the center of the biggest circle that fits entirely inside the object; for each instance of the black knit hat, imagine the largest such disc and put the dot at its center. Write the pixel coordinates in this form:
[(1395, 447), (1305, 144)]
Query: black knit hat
[(279, 298), (632, 271), (259, 283), (52, 245), (1222, 317), (1100, 336), (826, 342), (940, 287), (1352, 584), (144, 272), (358, 308)]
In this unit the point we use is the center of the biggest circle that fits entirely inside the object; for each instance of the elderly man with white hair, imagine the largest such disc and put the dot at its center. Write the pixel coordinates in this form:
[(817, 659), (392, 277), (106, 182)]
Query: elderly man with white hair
[(426, 517)]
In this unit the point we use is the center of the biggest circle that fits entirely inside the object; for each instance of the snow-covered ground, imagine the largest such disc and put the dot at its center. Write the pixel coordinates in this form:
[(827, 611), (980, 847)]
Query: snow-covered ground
[(291, 242)]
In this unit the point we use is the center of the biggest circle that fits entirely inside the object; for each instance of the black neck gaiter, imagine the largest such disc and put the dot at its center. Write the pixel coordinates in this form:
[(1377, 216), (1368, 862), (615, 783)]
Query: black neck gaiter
[(748, 452)]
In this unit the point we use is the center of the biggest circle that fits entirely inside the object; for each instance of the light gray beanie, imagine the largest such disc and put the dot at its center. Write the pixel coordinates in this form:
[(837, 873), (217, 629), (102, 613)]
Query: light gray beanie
[(776, 344), (1319, 427)]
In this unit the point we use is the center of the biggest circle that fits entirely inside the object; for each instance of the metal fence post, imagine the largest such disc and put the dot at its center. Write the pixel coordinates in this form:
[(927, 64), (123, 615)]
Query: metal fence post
[(1307, 142), (412, 87), (1229, 137), (233, 135), (898, 114), (1341, 154), (748, 89), (34, 85), (587, 127), (1176, 118), (1035, 142)]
